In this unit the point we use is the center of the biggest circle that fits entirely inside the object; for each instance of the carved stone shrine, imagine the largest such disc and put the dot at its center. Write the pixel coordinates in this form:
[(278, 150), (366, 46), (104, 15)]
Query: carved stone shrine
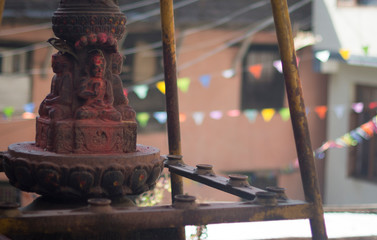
[(85, 143)]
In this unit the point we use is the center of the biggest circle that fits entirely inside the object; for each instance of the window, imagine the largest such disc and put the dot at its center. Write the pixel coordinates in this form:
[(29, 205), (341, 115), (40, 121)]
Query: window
[(14, 62), (363, 157), (15, 83), (138, 67), (267, 89)]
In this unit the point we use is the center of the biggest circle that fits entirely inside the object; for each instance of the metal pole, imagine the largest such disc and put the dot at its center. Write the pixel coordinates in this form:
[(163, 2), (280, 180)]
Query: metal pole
[(174, 135), (2, 3), (298, 116), (172, 109)]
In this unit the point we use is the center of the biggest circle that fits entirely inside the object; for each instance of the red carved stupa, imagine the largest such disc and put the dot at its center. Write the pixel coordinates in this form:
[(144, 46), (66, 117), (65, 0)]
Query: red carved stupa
[(86, 131)]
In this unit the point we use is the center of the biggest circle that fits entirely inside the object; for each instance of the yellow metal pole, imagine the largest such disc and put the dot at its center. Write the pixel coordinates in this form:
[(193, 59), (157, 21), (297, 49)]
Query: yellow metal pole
[(170, 68), (2, 3), (298, 117), (171, 96)]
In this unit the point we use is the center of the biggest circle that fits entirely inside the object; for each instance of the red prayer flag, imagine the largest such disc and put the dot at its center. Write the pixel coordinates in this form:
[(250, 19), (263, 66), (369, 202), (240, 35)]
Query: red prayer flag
[(321, 111), (256, 70), (373, 105)]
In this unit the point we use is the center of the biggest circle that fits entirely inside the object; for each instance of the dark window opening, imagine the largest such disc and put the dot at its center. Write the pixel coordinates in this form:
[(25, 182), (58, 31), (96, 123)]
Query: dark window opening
[(266, 90)]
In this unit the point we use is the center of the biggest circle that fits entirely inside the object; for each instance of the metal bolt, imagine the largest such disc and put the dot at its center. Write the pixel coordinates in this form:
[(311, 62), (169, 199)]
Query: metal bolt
[(174, 157), (280, 192), (99, 204), (174, 160), (237, 180), (265, 198), (184, 202), (204, 169)]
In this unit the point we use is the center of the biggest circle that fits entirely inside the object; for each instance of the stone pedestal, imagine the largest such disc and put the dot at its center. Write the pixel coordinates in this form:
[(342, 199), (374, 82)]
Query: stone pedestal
[(68, 176), (85, 137), (85, 144)]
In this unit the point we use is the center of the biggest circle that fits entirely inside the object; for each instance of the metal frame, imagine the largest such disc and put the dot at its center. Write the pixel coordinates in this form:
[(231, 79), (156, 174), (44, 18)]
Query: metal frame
[(296, 105), (100, 220)]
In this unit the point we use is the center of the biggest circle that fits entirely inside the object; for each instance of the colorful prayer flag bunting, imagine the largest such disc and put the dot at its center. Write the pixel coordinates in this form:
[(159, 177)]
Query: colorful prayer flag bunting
[(182, 117), (354, 137), (251, 114), (339, 110), (256, 70), (354, 134), (369, 128), (229, 73), (8, 112), (142, 118), (345, 53), (365, 49), (161, 86), (216, 115), (267, 114), (307, 111), (183, 84), (321, 111), (205, 80), (234, 113), (29, 107), (198, 117), (161, 117), (372, 105), (285, 114), (278, 65), (28, 115), (141, 91), (323, 56), (358, 107)]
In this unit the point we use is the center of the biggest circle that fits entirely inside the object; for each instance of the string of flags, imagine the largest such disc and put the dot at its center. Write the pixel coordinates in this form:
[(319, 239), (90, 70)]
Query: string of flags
[(255, 70), (198, 116), (183, 84), (9, 111), (352, 138), (251, 114), (325, 55)]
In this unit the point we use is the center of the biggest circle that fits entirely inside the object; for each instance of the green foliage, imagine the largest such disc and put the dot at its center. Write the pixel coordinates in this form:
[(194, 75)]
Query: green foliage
[(155, 196)]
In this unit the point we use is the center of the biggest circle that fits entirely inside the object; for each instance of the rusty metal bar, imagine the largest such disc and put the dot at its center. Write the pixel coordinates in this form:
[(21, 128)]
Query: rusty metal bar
[(170, 68), (234, 184), (298, 116), (172, 109), (2, 3), (85, 221)]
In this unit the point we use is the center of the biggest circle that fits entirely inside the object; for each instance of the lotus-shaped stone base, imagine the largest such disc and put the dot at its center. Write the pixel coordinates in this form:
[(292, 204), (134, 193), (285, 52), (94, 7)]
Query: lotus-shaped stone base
[(84, 176)]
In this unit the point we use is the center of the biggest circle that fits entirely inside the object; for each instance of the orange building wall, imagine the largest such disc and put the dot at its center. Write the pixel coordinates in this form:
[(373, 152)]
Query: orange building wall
[(235, 144), (230, 144)]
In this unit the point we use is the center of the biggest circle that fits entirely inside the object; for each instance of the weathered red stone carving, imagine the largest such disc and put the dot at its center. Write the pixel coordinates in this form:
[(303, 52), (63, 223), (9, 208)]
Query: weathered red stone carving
[(86, 131), (86, 110)]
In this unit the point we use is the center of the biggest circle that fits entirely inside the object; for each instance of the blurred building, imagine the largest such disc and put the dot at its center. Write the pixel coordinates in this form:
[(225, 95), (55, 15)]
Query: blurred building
[(349, 52)]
